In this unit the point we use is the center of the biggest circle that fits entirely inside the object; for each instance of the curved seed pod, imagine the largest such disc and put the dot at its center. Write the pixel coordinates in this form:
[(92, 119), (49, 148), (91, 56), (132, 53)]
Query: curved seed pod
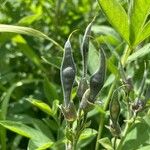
[(85, 104), (85, 47), (82, 87), (67, 72), (114, 108), (98, 78)]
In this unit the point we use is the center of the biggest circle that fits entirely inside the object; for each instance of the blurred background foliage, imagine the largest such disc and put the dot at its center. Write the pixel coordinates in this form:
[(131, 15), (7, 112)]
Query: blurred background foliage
[(29, 66)]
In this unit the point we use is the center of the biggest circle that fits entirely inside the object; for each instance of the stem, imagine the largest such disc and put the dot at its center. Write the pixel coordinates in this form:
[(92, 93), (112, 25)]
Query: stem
[(68, 146), (115, 143), (102, 116), (81, 120), (127, 127), (3, 138), (75, 144), (126, 55), (142, 83)]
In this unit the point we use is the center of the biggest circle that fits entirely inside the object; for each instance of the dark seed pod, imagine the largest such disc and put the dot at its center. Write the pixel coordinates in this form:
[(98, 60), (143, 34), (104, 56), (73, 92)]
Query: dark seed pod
[(98, 78), (85, 47), (83, 86), (69, 112), (67, 72), (114, 107)]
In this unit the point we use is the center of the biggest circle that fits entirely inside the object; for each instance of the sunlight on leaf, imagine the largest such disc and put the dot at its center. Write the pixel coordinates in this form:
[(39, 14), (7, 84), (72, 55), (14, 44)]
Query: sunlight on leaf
[(116, 16), (27, 31)]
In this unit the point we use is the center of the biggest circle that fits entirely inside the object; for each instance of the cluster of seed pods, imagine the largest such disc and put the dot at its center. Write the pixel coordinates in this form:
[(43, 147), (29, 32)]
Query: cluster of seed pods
[(87, 90)]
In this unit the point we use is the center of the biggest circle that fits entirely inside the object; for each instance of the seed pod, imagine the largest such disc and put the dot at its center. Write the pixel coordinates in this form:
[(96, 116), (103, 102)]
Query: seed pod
[(115, 129), (67, 72), (69, 112), (85, 47), (97, 79), (83, 86), (114, 108), (138, 105), (85, 104), (129, 84)]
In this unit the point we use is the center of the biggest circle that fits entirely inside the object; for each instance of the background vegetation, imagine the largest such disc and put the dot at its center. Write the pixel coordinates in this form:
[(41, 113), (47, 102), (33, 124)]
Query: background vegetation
[(30, 87)]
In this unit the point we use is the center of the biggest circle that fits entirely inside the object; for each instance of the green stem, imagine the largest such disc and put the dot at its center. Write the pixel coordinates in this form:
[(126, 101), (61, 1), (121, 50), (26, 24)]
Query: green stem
[(3, 138), (115, 140), (128, 124), (102, 116), (126, 55), (126, 130), (75, 144)]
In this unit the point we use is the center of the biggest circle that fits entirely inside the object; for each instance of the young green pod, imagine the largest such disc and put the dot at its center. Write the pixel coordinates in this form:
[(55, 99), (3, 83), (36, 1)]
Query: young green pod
[(98, 78), (67, 72), (114, 108), (82, 87), (85, 47)]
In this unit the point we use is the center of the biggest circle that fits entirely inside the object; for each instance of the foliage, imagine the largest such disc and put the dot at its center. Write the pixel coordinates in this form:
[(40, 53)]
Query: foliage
[(32, 110)]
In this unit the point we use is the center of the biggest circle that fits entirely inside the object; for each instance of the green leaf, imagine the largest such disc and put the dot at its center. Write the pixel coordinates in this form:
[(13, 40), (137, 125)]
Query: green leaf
[(138, 15), (19, 128), (109, 80), (52, 124), (35, 145), (27, 50), (5, 103), (5, 99), (144, 148), (42, 127), (111, 67), (145, 33), (29, 19), (87, 133), (93, 59), (50, 90), (53, 61), (116, 16), (86, 137), (139, 53), (140, 132), (55, 106), (26, 31), (37, 137), (41, 105), (106, 30), (106, 143)]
